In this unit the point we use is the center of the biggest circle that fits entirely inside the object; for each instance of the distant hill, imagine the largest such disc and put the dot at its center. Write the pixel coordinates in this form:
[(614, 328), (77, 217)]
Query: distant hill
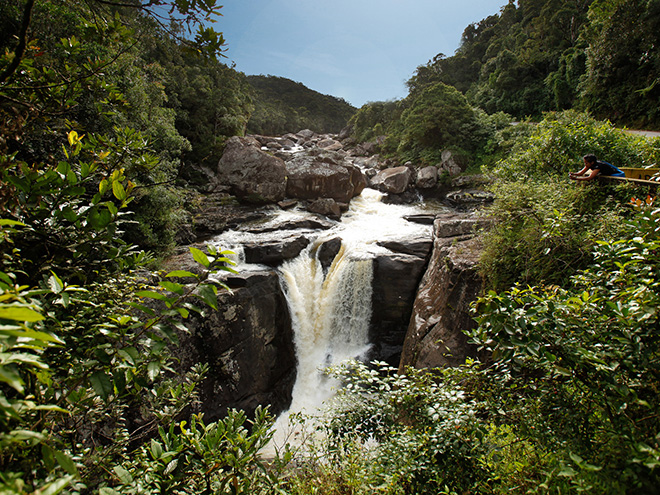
[(282, 105)]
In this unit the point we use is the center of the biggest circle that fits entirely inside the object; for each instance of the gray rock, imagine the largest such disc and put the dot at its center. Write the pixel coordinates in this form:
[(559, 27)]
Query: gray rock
[(325, 206), (427, 177), (449, 164), (441, 311), (323, 176), (418, 246), (273, 252), (392, 180), (253, 175)]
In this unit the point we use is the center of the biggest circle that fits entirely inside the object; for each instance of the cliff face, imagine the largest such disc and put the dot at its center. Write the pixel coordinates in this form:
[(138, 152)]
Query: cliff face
[(248, 346), (441, 309)]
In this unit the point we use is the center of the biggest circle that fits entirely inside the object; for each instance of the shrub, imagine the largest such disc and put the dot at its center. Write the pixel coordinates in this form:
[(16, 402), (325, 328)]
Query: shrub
[(576, 369), (544, 231), (415, 433), (558, 143)]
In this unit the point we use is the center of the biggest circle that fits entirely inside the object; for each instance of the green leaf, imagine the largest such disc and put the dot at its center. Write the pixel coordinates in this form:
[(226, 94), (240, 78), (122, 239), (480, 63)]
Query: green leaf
[(99, 219), (153, 370), (103, 186), (18, 313), (156, 449), (66, 463), (200, 257), (55, 487), (106, 490), (4, 222), (11, 377), (142, 308), (102, 384), (152, 295), (123, 475), (119, 191), (55, 283), (208, 293), (181, 274), (130, 354), (172, 287), (171, 466)]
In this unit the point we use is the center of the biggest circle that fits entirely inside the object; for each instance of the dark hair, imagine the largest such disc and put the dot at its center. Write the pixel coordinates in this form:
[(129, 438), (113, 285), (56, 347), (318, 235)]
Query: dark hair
[(590, 158)]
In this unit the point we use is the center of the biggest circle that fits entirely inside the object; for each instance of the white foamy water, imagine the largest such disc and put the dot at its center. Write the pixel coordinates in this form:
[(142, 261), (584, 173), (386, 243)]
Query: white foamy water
[(331, 311)]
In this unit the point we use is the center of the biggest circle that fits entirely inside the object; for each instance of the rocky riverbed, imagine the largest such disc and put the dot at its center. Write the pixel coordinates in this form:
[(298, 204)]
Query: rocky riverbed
[(422, 285)]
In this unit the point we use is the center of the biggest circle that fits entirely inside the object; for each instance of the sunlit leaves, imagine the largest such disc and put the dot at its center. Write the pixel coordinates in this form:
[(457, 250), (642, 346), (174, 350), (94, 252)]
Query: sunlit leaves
[(592, 347)]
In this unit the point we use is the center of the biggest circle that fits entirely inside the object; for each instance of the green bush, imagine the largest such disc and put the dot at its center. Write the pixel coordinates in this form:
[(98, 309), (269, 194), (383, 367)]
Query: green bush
[(394, 434), (558, 143), (576, 370), (544, 231), (544, 225)]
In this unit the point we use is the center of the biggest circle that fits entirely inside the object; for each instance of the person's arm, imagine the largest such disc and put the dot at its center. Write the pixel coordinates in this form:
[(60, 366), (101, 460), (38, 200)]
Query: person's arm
[(573, 175), (591, 176)]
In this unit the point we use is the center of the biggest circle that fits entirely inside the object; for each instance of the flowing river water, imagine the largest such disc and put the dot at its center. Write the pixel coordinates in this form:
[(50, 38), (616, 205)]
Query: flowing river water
[(331, 309)]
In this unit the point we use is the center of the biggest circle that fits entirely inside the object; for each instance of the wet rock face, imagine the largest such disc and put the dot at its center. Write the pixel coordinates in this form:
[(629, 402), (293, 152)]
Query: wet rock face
[(435, 335), (248, 346), (396, 277)]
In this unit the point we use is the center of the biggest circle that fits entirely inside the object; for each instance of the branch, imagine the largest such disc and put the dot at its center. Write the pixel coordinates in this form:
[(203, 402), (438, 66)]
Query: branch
[(22, 43)]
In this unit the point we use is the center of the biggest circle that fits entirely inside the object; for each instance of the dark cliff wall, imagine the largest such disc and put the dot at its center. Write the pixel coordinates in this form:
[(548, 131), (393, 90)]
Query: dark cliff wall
[(248, 345), (441, 309)]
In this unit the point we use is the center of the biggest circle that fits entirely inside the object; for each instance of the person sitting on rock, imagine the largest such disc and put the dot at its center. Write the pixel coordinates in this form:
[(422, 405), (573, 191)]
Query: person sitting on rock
[(595, 167)]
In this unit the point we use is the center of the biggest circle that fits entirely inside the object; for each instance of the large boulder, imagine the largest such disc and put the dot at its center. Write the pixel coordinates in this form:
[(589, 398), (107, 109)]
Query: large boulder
[(441, 310), (427, 177), (252, 175), (273, 250), (394, 180), (323, 175)]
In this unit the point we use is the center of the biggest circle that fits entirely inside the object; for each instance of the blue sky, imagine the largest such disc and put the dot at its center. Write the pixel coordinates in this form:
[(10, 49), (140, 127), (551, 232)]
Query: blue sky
[(359, 50)]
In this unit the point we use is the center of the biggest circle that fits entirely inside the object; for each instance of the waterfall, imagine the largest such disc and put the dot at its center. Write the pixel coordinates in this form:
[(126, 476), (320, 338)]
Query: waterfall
[(330, 316), (331, 311), (330, 308)]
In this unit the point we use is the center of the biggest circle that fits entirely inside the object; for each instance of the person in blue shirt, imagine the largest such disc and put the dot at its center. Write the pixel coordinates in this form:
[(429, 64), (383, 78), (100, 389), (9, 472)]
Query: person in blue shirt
[(593, 167)]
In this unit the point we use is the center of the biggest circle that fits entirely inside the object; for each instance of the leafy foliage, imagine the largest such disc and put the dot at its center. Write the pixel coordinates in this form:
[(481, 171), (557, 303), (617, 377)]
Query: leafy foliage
[(546, 55), (86, 370), (413, 433), (577, 369), (559, 141), (222, 457), (419, 128), (544, 231)]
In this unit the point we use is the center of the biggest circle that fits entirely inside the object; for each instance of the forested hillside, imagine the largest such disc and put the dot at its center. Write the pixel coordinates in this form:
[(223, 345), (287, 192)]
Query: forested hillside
[(541, 55), (534, 56), (282, 105)]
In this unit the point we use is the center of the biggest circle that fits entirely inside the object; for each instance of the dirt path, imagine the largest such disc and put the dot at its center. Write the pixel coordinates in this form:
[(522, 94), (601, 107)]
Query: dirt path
[(644, 133)]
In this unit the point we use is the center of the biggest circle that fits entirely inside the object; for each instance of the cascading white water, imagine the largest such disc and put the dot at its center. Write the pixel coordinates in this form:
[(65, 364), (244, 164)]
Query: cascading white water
[(330, 317), (331, 311)]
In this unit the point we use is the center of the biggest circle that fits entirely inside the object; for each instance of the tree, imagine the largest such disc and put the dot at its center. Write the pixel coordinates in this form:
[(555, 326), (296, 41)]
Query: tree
[(623, 68)]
